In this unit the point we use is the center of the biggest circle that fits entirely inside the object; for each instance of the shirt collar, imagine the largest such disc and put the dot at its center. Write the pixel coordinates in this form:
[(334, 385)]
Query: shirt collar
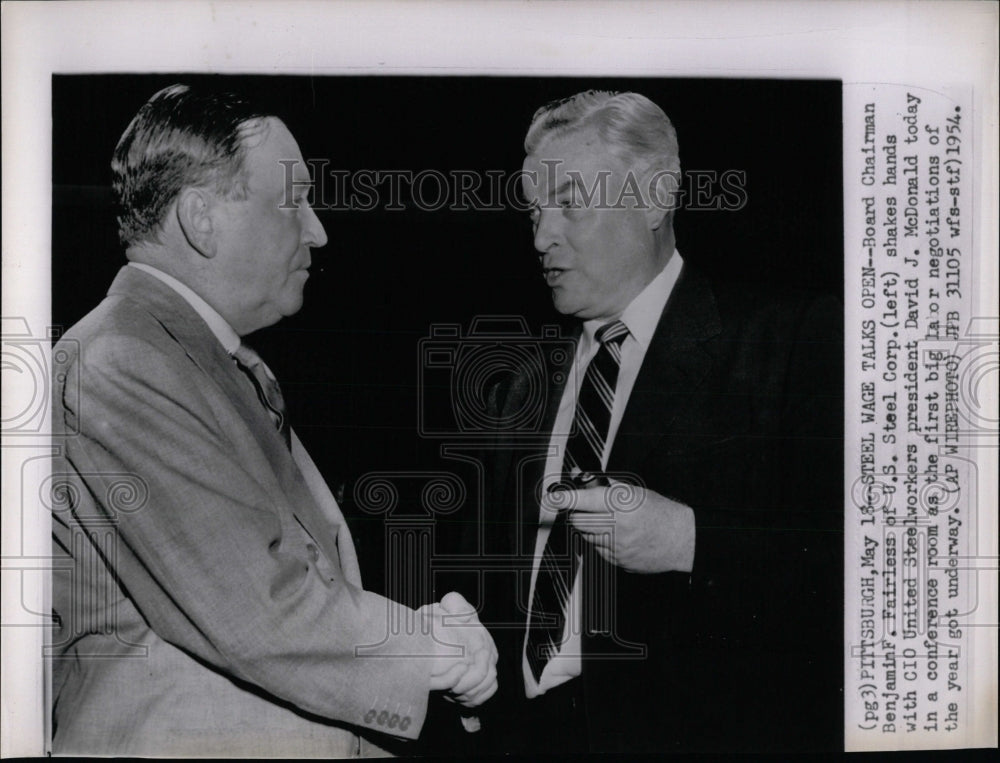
[(643, 313), (225, 333)]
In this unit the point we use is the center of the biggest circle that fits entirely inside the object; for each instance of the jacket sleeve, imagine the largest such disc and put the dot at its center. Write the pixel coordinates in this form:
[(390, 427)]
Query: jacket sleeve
[(203, 547)]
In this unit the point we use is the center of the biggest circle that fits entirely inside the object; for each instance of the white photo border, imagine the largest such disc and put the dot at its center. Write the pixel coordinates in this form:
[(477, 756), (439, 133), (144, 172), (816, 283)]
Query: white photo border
[(927, 44)]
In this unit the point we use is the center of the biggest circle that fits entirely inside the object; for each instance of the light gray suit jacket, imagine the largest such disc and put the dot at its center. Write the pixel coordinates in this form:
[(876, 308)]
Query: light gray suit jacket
[(204, 602)]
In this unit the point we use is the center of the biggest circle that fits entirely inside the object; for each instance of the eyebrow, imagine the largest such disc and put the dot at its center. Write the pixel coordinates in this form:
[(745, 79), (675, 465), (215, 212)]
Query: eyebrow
[(566, 185), (563, 187)]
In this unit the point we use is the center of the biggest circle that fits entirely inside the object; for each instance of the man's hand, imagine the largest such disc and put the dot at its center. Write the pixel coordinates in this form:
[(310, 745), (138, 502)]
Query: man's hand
[(633, 528), (465, 664)]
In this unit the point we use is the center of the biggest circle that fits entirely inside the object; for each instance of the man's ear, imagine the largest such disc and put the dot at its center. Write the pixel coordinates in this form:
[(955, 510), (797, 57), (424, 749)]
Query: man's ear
[(194, 214), (663, 187)]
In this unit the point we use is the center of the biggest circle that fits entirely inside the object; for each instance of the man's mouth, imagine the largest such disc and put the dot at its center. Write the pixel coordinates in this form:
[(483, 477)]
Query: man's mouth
[(552, 275)]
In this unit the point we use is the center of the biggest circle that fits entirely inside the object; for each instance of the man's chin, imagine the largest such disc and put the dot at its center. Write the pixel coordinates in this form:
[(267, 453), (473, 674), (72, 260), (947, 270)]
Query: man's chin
[(291, 307), (564, 304), (286, 308), (573, 309)]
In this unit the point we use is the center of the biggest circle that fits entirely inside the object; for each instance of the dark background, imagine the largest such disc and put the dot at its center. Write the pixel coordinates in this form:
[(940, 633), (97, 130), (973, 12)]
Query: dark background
[(349, 362)]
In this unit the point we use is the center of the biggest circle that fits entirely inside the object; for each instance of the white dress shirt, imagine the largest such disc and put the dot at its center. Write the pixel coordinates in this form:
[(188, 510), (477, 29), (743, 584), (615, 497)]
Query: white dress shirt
[(220, 326), (641, 318)]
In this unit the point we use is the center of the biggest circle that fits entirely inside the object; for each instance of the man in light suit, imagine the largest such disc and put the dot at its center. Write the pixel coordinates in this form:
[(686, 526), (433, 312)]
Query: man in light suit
[(695, 603), (206, 594)]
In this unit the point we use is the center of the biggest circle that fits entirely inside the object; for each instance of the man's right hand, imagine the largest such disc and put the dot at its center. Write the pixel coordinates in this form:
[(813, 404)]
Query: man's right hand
[(466, 658)]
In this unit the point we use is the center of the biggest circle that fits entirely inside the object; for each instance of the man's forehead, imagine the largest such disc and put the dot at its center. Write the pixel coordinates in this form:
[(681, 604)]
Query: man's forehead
[(273, 152), (563, 163)]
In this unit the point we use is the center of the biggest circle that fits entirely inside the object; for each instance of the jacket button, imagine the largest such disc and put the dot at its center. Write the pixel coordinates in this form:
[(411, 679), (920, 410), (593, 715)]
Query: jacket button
[(382, 718), (404, 724), (394, 721), (313, 552), (370, 716)]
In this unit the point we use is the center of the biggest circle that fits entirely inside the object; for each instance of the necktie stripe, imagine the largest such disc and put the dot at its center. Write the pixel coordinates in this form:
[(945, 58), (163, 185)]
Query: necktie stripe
[(584, 452), (606, 393), (611, 332), (589, 432), (616, 352)]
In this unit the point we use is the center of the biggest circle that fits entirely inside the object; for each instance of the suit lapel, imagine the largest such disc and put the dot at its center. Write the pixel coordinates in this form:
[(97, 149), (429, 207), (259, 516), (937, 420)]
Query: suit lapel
[(193, 335), (184, 324), (678, 359)]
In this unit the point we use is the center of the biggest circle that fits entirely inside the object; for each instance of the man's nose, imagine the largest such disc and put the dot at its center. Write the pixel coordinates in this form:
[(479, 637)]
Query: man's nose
[(313, 234), (547, 231)]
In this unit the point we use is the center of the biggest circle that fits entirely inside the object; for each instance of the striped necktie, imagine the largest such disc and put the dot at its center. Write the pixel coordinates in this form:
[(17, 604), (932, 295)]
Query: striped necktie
[(584, 453), (268, 391)]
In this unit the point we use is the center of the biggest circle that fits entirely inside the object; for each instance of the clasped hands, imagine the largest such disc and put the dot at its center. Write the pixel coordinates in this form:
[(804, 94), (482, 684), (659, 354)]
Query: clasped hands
[(466, 657), (631, 527)]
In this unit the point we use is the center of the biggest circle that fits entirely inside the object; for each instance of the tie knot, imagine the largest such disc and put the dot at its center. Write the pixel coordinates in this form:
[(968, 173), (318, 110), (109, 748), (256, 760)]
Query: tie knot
[(616, 331), (249, 359), (247, 356)]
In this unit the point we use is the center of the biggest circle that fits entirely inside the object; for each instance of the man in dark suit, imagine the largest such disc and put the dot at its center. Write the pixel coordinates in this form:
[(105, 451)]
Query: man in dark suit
[(661, 565), (206, 595)]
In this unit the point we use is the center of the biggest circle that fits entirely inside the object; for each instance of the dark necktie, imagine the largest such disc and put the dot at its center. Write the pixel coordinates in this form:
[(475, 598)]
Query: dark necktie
[(584, 450), (268, 391)]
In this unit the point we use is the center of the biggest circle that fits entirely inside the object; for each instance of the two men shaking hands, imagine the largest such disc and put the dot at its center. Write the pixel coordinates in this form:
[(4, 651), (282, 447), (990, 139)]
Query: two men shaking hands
[(226, 614)]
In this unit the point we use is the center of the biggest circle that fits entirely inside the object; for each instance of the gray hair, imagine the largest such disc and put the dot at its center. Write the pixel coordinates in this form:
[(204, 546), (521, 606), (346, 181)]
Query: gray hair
[(633, 127)]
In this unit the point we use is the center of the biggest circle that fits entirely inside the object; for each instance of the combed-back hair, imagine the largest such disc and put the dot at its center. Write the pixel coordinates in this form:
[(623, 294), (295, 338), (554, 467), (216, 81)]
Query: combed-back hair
[(181, 137), (631, 126)]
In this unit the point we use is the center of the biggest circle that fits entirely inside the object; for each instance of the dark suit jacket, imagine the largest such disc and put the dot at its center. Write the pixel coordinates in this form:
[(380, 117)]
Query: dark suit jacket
[(737, 413), (206, 601)]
